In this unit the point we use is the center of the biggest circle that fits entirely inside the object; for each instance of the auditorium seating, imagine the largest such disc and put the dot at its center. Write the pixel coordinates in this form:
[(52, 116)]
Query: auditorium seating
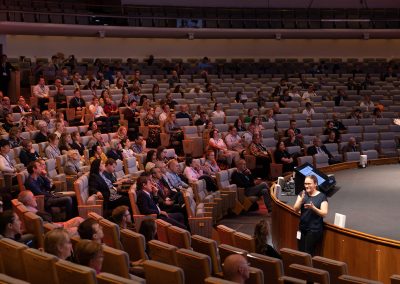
[(271, 267), (335, 268), (161, 273), (39, 266), (290, 256)]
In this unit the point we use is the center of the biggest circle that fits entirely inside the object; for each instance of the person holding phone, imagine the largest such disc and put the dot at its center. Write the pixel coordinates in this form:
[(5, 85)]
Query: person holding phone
[(313, 207)]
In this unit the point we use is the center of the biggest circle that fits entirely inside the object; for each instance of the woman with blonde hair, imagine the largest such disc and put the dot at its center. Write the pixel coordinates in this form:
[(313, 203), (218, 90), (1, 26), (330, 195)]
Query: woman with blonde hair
[(58, 243), (121, 133), (65, 143), (15, 137)]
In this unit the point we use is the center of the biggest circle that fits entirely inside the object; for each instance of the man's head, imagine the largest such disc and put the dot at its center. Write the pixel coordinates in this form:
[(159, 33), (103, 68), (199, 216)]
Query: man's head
[(4, 146), (144, 183), (121, 215), (90, 229), (27, 198), (317, 142), (236, 268), (293, 124), (241, 165), (173, 166), (139, 139), (352, 141), (21, 101), (77, 93), (41, 81), (156, 173), (34, 167), (111, 164)]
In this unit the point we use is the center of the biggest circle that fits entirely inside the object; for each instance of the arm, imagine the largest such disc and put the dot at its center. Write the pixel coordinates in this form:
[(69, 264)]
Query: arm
[(299, 201), (321, 212)]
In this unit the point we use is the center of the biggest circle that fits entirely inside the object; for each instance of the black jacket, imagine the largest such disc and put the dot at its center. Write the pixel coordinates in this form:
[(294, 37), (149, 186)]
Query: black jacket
[(97, 183), (242, 180)]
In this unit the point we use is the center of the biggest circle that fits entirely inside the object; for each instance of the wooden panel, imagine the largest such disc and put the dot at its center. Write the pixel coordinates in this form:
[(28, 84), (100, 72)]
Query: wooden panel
[(366, 255)]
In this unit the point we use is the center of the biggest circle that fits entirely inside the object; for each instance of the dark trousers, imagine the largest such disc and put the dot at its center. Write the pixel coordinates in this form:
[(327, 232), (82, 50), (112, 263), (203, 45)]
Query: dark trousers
[(260, 190), (309, 241), (175, 219), (262, 167)]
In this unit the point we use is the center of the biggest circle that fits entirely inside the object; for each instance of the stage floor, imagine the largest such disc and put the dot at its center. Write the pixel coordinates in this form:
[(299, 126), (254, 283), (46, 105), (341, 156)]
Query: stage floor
[(370, 199)]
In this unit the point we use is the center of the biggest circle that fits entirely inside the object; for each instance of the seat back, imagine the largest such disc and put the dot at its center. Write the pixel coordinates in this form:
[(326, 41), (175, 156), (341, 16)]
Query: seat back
[(51, 167), (115, 261), (321, 160), (179, 237), (163, 252), (347, 279), (108, 278), (196, 266), (161, 273), (208, 247), (68, 272), (162, 230), (334, 267), (395, 279), (40, 266), (226, 235), (21, 178), (11, 254), (215, 280), (111, 234), (34, 225), (61, 161), (226, 250), (256, 276), (119, 169), (5, 279), (130, 165), (134, 244), (245, 241), (291, 256), (310, 274), (81, 188), (271, 267)]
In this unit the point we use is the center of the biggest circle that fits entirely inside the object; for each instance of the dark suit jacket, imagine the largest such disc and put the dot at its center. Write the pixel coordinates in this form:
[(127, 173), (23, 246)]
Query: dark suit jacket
[(312, 150), (17, 109), (242, 180), (132, 116), (97, 183), (146, 204)]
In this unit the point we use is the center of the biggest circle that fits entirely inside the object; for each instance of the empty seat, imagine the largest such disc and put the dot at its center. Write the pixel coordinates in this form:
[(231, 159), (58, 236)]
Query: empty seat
[(226, 235), (208, 247), (111, 233), (388, 148), (321, 160), (291, 256), (179, 237), (271, 267), (196, 266), (245, 242), (351, 156), (161, 273), (68, 272), (226, 250), (39, 266), (334, 267), (11, 253), (115, 262), (162, 230), (108, 278), (347, 279), (134, 244), (163, 252), (310, 274)]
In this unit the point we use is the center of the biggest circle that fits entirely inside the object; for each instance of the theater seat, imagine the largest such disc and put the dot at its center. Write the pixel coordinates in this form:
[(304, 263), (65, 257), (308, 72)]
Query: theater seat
[(163, 252), (161, 273), (226, 235), (334, 267), (115, 262), (40, 266), (11, 254), (68, 272), (134, 244), (179, 237), (291, 280), (208, 247), (162, 230), (226, 250), (271, 267), (215, 280), (245, 241), (108, 278), (196, 266), (291, 256), (310, 274), (5, 279), (347, 279), (256, 276)]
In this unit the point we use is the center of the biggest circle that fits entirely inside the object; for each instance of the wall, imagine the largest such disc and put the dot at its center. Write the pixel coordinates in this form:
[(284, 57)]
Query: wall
[(45, 46)]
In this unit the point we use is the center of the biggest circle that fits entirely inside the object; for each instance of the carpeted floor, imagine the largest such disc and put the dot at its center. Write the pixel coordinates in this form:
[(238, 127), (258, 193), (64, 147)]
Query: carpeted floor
[(368, 197)]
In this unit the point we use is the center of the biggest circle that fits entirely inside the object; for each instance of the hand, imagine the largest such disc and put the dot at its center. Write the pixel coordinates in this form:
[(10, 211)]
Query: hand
[(99, 195), (164, 213), (302, 195), (169, 202), (309, 206)]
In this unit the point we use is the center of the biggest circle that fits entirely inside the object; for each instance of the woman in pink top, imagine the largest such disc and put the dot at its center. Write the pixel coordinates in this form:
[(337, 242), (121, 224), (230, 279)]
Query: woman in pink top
[(217, 144)]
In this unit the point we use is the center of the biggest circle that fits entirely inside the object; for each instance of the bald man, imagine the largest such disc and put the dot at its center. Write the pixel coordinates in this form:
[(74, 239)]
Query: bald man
[(236, 269)]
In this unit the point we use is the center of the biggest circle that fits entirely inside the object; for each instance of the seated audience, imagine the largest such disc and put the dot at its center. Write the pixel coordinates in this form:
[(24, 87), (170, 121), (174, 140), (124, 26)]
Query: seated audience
[(14, 137), (42, 93), (10, 225), (332, 137), (60, 98), (39, 184), (57, 242), (52, 151), (151, 159), (194, 172), (89, 253), (65, 143), (139, 145), (21, 107), (218, 145), (293, 126), (293, 140), (233, 141), (73, 165), (173, 178), (147, 206), (90, 229), (262, 155), (309, 110), (351, 146), (153, 139), (260, 237), (319, 148), (175, 132), (122, 133), (283, 157), (122, 217), (218, 111), (43, 135), (184, 113), (340, 97), (330, 127), (115, 151), (367, 104), (104, 189), (236, 269), (77, 142), (28, 153)]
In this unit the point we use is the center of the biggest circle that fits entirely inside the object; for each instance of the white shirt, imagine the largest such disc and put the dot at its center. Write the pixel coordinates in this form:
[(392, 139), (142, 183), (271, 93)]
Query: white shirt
[(40, 91), (369, 106), (233, 141), (6, 166), (307, 95), (308, 113), (191, 174), (97, 111), (220, 114), (163, 116)]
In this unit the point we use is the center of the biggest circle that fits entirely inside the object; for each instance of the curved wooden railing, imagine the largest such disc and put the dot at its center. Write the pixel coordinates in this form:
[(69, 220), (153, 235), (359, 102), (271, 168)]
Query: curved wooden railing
[(366, 255)]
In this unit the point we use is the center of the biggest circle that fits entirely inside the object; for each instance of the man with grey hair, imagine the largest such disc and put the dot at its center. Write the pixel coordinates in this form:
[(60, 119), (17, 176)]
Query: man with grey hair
[(236, 268)]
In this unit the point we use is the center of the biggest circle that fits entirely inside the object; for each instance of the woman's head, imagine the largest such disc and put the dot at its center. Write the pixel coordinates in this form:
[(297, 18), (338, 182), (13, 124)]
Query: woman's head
[(280, 146), (90, 254), (161, 153), (143, 98), (10, 224), (210, 155), (214, 133), (27, 144), (311, 184), (126, 143), (260, 235), (75, 136), (92, 125), (53, 139), (97, 166), (122, 131), (65, 139), (151, 156), (14, 132), (148, 228), (58, 243)]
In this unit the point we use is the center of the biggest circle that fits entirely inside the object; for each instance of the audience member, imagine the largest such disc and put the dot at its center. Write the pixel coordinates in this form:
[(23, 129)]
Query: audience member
[(28, 153), (52, 151), (57, 242), (90, 229), (260, 237), (236, 269), (89, 253)]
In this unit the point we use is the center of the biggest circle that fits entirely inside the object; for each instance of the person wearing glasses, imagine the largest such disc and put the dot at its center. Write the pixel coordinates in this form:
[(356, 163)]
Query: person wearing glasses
[(313, 207)]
